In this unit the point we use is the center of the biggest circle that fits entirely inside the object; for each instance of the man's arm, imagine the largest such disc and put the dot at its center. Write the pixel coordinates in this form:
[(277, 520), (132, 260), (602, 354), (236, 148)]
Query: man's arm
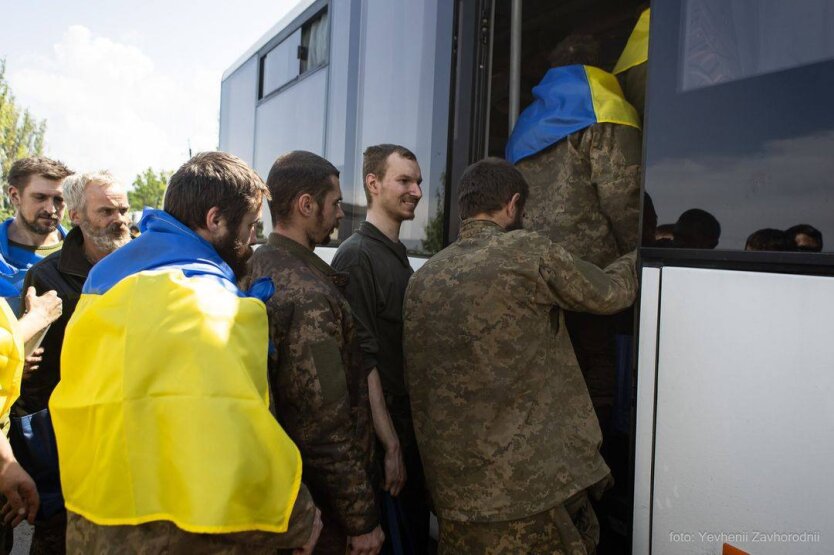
[(361, 295), (582, 287), (310, 388), (615, 170)]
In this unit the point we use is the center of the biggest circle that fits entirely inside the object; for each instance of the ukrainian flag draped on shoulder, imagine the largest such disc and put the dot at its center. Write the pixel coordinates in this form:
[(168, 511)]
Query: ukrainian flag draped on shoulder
[(568, 99), (636, 51), (11, 358), (162, 409)]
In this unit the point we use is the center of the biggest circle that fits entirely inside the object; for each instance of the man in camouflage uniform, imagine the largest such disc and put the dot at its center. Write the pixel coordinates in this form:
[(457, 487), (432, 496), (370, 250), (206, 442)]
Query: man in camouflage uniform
[(585, 195), (318, 382), (503, 420)]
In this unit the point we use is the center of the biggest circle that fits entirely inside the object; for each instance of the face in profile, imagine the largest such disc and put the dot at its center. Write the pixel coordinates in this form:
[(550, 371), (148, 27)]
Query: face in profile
[(328, 214), (40, 205), (234, 246)]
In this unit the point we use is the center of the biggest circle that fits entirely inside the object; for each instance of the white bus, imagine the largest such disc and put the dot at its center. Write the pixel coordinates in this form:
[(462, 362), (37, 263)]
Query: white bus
[(732, 430)]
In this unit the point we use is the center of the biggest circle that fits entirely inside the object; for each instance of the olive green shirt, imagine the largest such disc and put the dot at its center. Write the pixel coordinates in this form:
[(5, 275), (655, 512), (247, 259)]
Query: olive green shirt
[(502, 415)]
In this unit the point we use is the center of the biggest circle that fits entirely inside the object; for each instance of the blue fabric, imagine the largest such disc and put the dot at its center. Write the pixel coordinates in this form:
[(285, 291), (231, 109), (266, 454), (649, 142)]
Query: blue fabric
[(14, 261), (562, 105), (166, 243), (33, 442)]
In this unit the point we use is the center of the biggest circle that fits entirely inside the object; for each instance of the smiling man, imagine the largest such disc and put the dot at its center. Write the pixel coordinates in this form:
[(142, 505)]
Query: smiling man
[(36, 192), (379, 270)]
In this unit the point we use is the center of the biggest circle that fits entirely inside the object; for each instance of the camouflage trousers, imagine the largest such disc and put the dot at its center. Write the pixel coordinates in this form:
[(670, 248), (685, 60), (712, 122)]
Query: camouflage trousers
[(567, 529)]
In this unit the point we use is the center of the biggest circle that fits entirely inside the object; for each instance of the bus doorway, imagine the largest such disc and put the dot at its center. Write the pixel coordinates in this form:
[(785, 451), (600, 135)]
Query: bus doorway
[(498, 63)]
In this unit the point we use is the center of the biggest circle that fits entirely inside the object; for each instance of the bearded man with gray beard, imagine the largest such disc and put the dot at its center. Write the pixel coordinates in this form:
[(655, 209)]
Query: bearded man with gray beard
[(98, 207)]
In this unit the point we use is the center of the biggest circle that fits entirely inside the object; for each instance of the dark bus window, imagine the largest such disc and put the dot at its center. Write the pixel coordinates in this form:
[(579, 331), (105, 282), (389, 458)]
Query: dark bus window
[(739, 121)]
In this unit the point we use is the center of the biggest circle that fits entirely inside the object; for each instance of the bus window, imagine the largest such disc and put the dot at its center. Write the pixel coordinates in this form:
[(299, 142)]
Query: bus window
[(739, 125)]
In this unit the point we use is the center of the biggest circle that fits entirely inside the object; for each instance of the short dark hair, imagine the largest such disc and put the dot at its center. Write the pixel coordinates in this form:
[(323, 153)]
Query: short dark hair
[(697, 229), (22, 170), (375, 161), (489, 185), (575, 49), (810, 231), (769, 239), (294, 174), (212, 179)]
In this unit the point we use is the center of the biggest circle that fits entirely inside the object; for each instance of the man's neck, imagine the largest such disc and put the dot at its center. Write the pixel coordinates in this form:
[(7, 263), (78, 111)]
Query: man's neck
[(387, 225), (24, 236), (93, 254), (295, 233)]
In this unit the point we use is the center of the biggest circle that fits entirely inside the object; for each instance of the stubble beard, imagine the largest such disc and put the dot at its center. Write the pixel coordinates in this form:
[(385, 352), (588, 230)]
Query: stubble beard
[(36, 228), (106, 239)]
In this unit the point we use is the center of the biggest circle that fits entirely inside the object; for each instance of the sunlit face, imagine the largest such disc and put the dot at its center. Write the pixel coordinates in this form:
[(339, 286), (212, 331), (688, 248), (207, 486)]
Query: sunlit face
[(103, 219), (235, 247), (328, 215), (40, 206), (399, 190)]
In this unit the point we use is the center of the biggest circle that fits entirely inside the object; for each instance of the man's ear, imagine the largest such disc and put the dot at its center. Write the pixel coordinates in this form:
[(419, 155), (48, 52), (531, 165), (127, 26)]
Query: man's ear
[(513, 206), (372, 184), (73, 216), (214, 220), (305, 205), (14, 196)]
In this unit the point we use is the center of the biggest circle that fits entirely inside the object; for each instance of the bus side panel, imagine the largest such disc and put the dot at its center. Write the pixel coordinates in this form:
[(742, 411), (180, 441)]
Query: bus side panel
[(744, 420), (647, 361)]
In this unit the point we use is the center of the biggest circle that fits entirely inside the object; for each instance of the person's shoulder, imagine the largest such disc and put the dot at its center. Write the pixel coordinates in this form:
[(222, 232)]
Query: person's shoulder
[(352, 251)]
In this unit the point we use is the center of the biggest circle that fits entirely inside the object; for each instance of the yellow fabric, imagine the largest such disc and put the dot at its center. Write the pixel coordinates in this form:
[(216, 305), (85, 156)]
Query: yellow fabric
[(11, 358), (609, 103), (636, 50), (162, 410)]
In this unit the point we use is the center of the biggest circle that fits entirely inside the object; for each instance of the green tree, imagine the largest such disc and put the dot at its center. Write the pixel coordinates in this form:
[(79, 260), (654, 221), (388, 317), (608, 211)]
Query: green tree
[(148, 189), (21, 135)]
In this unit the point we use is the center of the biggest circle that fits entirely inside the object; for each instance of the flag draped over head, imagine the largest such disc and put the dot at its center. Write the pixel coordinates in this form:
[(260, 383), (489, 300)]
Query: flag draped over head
[(636, 51), (11, 358), (162, 409), (568, 99)]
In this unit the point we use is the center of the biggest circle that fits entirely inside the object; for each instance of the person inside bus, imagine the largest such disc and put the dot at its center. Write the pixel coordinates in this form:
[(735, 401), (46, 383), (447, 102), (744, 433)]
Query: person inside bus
[(578, 145), (697, 229), (769, 239), (805, 238)]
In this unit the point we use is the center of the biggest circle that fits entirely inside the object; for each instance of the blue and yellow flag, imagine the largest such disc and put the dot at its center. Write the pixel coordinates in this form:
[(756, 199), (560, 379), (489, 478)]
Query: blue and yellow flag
[(11, 358), (568, 99), (636, 50), (162, 409)]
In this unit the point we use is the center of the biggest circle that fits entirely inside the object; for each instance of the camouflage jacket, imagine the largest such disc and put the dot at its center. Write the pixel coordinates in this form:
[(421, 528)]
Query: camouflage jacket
[(585, 192), (319, 387), (503, 419)]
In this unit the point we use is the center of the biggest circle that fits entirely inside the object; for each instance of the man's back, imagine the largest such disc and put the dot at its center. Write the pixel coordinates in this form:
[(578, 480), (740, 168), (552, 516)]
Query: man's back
[(500, 408)]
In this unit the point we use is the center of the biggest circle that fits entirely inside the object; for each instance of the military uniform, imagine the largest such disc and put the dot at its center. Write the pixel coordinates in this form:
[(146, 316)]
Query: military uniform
[(502, 416), (319, 386)]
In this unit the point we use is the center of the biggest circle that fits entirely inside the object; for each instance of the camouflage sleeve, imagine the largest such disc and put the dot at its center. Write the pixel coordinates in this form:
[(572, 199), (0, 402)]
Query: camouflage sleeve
[(582, 287), (312, 401), (615, 170), (361, 295)]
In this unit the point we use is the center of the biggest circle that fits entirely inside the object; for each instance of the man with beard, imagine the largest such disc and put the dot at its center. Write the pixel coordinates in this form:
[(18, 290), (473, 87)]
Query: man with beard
[(318, 382), (505, 426), (377, 264), (98, 207), (35, 190), (161, 417)]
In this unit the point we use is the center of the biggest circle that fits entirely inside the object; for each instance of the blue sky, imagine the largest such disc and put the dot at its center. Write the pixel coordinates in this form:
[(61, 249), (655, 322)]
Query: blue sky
[(127, 84)]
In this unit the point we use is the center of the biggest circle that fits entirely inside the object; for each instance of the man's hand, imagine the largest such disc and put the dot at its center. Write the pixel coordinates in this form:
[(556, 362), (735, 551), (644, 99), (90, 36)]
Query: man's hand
[(32, 363), (314, 537), (367, 544), (21, 494), (39, 312), (395, 475)]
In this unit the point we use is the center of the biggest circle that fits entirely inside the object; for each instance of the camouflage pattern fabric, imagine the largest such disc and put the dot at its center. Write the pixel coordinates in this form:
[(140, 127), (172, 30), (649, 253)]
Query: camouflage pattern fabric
[(503, 419), (566, 529), (585, 192), (84, 536), (318, 384)]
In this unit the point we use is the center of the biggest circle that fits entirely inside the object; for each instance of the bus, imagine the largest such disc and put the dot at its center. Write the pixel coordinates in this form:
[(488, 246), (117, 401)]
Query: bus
[(731, 429)]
